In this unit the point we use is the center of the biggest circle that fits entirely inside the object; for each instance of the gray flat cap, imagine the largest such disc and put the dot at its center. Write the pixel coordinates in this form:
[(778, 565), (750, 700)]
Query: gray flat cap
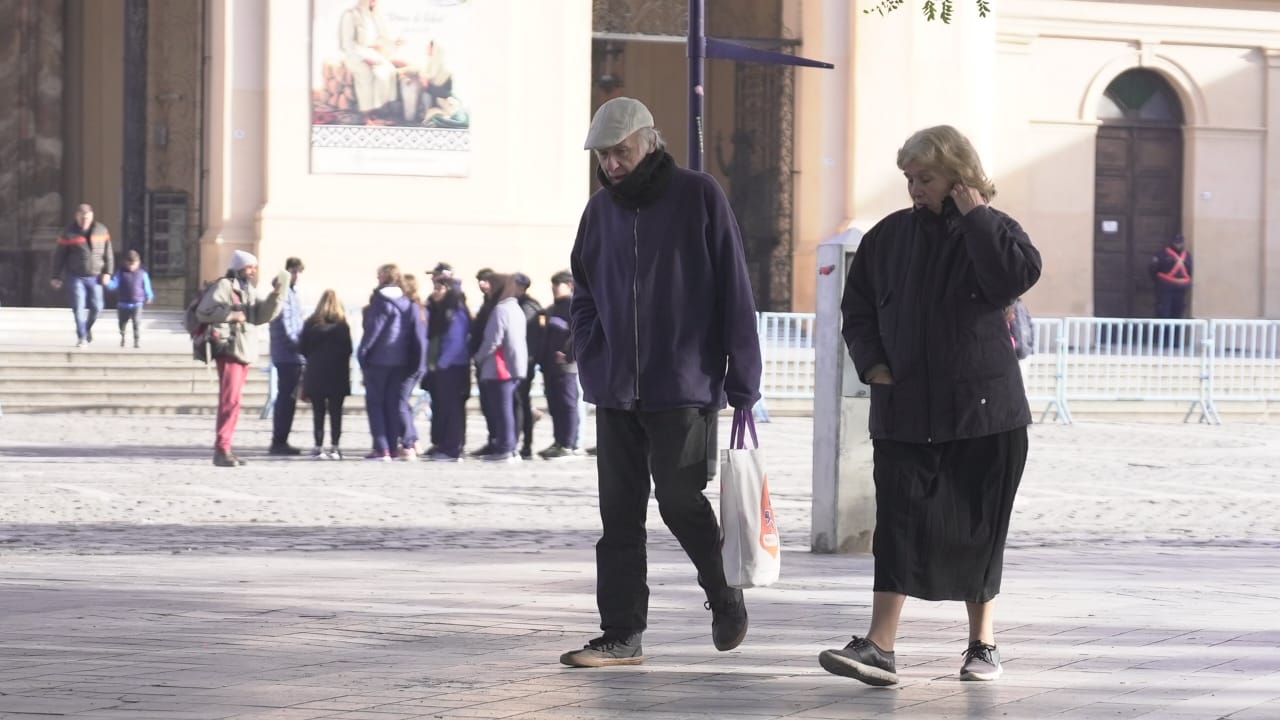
[(615, 121)]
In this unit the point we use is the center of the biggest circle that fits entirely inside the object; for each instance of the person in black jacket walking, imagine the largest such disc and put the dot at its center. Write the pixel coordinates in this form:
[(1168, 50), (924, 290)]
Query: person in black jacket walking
[(924, 320), (664, 328), (326, 345)]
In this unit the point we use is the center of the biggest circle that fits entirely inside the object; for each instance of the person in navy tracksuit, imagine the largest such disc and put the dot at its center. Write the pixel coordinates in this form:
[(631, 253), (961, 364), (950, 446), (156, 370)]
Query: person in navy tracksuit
[(385, 357)]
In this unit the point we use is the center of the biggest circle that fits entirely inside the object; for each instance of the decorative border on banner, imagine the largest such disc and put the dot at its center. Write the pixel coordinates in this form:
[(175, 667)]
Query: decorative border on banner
[(390, 137)]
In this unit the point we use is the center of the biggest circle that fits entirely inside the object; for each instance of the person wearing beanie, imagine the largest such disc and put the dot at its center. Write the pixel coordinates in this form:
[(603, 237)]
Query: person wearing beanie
[(664, 330), (232, 308), (132, 285)]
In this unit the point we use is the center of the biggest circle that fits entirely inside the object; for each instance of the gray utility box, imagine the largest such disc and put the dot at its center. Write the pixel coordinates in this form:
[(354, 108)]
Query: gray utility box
[(844, 496)]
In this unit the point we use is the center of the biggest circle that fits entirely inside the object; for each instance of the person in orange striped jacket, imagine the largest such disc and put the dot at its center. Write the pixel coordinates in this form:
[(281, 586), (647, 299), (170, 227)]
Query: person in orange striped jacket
[(84, 263)]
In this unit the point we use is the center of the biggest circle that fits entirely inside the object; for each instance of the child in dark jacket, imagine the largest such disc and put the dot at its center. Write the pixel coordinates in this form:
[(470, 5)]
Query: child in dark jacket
[(326, 344), (133, 285)]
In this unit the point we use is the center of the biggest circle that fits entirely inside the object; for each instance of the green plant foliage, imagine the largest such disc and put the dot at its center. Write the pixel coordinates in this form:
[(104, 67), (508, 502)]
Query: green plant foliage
[(933, 9)]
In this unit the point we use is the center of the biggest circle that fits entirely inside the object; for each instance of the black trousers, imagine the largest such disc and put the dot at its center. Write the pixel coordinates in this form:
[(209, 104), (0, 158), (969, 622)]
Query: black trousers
[(287, 377), (524, 414), (332, 406), (450, 388), (677, 448)]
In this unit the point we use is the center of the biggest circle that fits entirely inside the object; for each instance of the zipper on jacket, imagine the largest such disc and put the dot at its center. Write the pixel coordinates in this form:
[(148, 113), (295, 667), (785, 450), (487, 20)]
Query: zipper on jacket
[(635, 299)]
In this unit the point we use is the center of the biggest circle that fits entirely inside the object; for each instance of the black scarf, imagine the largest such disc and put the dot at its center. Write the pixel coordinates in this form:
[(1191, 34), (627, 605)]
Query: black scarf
[(644, 184)]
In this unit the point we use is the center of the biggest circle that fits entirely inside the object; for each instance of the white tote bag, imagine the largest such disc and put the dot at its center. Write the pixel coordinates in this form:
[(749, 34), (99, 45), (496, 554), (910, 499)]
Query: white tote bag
[(751, 550)]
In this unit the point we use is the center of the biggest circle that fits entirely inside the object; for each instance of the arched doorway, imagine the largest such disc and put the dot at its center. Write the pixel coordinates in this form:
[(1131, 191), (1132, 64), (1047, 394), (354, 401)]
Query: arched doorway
[(1137, 189)]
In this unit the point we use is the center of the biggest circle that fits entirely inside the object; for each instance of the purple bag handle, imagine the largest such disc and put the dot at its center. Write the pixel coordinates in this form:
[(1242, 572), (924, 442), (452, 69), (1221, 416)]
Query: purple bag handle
[(743, 421)]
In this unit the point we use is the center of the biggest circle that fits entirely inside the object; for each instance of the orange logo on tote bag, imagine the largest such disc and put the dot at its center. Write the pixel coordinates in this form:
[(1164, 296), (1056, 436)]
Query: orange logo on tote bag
[(768, 528)]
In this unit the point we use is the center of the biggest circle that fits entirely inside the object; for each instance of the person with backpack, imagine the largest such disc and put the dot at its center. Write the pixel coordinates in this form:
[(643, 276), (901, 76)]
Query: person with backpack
[(229, 309)]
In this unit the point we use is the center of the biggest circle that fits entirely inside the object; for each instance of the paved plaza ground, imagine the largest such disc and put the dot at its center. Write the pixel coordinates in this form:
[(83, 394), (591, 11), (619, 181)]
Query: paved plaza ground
[(1142, 579)]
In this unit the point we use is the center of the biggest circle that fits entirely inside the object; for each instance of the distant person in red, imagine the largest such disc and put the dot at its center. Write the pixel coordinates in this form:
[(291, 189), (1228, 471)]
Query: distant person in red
[(1171, 273)]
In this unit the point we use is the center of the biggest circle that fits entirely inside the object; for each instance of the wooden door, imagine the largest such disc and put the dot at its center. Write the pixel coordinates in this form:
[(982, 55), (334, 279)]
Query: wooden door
[(1137, 208)]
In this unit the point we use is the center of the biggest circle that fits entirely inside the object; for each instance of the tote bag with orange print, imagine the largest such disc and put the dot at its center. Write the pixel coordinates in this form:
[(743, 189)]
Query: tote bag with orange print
[(751, 550)]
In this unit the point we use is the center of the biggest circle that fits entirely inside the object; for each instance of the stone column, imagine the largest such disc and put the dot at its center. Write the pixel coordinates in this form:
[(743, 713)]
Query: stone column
[(31, 81), (236, 117), (1271, 196)]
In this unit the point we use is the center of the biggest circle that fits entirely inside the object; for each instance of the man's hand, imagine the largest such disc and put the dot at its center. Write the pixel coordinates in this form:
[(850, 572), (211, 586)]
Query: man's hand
[(561, 358), (236, 316), (55, 283), (104, 279)]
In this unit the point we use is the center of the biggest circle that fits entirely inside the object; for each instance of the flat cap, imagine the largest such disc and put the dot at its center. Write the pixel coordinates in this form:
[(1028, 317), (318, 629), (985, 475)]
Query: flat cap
[(615, 121)]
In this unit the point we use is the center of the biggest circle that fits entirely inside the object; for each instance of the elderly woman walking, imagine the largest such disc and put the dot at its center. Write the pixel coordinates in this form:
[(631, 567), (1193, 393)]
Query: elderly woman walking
[(924, 322)]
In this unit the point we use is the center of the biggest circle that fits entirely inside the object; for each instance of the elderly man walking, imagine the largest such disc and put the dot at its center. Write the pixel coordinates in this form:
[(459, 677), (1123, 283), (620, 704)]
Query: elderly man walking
[(85, 263), (664, 330), (231, 307)]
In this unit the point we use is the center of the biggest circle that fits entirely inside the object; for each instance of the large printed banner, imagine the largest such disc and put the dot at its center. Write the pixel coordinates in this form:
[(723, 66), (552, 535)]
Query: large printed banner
[(384, 98)]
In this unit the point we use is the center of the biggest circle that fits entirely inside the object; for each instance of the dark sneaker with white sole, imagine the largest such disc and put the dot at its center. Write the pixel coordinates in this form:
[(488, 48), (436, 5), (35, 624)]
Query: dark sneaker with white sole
[(981, 662), (861, 660), (606, 652)]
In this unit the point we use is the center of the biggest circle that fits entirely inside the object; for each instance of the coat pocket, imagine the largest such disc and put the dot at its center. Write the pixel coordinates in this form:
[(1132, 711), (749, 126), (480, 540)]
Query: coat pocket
[(880, 421), (980, 405)]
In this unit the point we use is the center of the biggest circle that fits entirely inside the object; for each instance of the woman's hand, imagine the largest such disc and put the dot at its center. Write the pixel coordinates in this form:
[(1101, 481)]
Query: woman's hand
[(966, 198)]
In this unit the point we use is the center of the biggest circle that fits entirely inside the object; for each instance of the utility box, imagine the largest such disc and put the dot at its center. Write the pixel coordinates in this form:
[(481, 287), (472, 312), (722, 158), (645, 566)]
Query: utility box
[(844, 494)]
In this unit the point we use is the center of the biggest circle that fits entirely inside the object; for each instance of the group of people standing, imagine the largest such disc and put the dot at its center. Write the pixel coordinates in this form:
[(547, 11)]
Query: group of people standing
[(412, 341)]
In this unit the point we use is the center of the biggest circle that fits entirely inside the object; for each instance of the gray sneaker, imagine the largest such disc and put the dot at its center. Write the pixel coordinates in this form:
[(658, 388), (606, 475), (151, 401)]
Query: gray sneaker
[(981, 662), (606, 652), (861, 660)]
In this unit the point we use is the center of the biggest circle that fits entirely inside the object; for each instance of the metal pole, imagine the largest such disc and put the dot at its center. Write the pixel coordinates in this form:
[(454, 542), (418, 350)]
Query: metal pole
[(697, 76)]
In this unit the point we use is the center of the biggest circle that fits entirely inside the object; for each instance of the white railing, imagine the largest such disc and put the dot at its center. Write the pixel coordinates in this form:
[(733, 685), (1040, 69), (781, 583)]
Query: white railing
[(1198, 362)]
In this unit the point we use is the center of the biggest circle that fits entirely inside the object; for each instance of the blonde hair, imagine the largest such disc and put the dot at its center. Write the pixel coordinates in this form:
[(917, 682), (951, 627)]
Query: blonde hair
[(392, 272), (329, 309), (943, 148)]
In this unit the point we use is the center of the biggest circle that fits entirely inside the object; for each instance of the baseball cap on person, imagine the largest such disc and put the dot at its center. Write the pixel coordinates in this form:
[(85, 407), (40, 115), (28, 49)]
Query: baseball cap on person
[(242, 259), (615, 121)]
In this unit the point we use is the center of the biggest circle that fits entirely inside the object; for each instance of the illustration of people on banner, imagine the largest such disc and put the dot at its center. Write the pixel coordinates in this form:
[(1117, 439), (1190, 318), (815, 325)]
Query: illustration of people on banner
[(383, 86)]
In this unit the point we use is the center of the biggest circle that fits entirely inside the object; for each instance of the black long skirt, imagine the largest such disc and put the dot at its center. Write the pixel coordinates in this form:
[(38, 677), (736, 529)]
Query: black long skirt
[(942, 515)]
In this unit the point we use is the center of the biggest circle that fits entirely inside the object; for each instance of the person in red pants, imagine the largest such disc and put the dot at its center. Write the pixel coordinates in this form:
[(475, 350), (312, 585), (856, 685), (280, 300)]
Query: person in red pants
[(231, 309)]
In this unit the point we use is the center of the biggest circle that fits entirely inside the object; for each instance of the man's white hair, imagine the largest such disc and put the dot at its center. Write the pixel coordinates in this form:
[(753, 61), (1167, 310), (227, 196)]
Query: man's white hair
[(651, 139)]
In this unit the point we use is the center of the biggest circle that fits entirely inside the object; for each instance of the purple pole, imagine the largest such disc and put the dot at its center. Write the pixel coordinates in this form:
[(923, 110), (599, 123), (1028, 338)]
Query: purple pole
[(697, 57)]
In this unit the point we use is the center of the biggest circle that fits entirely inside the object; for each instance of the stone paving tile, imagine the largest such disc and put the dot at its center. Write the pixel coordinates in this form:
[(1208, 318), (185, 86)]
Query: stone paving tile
[(1140, 581)]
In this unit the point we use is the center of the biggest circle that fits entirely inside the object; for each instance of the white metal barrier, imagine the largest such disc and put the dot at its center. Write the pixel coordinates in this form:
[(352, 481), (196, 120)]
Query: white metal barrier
[(1074, 359)]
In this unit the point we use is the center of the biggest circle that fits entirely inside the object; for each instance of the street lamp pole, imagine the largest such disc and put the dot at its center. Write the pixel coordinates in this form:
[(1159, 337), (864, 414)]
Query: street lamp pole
[(702, 47)]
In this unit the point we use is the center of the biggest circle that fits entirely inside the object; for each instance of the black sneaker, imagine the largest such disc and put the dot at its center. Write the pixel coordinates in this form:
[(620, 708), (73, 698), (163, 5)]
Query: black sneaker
[(487, 449), (606, 652), (283, 449), (526, 453), (861, 660), (728, 619), (558, 452), (981, 662)]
